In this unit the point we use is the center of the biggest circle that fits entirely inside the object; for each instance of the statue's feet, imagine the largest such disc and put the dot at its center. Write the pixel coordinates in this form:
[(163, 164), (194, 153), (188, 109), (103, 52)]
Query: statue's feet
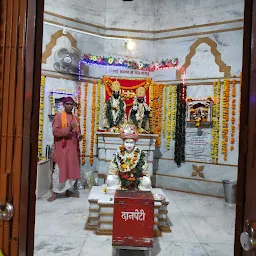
[(71, 194), (52, 198)]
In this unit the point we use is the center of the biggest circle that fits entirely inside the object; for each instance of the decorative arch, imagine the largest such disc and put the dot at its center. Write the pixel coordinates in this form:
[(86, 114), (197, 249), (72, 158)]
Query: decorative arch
[(222, 66), (48, 50)]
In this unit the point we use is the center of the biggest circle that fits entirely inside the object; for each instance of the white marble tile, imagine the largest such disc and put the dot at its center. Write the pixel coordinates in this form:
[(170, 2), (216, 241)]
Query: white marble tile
[(96, 245), (219, 249), (80, 204), (181, 231), (172, 207), (61, 222), (209, 208), (58, 246), (168, 248), (212, 229)]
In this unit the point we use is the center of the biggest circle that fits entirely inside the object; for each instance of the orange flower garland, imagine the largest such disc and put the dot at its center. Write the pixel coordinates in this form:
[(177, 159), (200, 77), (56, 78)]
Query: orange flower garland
[(160, 107), (225, 118), (93, 122), (98, 107), (84, 126), (156, 112), (165, 112), (239, 110), (79, 100), (216, 122), (233, 118), (169, 119), (151, 105), (155, 107), (41, 119), (174, 107)]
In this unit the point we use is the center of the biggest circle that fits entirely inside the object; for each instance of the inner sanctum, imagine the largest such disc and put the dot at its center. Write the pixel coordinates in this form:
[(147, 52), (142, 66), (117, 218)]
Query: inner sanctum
[(139, 105)]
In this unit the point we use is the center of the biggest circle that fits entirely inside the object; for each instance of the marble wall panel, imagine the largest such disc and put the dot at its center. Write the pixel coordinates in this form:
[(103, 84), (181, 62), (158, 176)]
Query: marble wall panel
[(203, 65), (175, 14), (130, 15), (194, 186), (211, 171), (85, 44), (89, 10)]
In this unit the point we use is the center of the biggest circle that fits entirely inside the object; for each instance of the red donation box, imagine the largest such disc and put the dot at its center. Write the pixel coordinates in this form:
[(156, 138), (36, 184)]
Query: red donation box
[(133, 222)]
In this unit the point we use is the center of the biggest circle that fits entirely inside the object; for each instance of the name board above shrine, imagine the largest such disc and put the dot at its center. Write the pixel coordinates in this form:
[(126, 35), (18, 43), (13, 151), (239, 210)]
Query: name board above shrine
[(165, 74)]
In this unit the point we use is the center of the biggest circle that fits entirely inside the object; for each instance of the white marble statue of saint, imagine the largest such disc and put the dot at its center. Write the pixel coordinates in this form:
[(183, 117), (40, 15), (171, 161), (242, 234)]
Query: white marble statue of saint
[(114, 112), (128, 168), (139, 113)]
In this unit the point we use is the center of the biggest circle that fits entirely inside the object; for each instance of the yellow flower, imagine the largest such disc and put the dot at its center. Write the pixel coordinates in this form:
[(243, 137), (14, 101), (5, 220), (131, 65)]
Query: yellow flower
[(110, 60), (94, 58)]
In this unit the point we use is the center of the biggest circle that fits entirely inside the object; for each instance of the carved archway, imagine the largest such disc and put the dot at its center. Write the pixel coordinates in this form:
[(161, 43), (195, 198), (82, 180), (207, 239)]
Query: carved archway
[(222, 66), (48, 50)]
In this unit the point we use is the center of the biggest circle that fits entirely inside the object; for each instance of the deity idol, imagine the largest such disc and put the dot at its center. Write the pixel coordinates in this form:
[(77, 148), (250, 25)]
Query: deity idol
[(139, 114), (114, 109), (128, 168)]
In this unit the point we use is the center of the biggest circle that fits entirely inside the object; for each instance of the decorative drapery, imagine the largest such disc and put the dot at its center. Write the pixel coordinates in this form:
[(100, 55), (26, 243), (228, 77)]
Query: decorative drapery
[(128, 89)]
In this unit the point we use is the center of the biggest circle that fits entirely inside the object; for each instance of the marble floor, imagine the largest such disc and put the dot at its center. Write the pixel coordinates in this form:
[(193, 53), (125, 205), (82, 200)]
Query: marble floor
[(201, 226)]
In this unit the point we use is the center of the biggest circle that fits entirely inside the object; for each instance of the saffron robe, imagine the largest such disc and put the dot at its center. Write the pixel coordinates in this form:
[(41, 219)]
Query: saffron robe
[(66, 149)]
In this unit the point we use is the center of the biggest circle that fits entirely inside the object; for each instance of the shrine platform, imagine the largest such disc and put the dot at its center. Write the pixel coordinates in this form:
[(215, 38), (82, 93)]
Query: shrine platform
[(101, 211), (108, 143)]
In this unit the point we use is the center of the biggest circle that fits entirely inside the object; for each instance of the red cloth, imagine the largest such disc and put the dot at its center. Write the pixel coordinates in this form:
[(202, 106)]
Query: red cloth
[(126, 84), (66, 157)]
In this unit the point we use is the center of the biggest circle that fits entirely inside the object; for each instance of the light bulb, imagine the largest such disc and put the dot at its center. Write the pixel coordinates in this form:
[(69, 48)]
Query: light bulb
[(131, 45)]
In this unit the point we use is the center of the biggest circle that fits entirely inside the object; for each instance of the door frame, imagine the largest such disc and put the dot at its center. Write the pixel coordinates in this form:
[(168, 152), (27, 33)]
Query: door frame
[(247, 138), (31, 121), (33, 56)]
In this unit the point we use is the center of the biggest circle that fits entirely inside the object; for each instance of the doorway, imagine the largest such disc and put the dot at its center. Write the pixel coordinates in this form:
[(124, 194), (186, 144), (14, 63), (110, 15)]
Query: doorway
[(17, 236)]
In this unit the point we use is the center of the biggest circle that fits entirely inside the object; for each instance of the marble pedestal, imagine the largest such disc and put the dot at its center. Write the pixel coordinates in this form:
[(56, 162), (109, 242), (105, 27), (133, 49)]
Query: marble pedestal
[(102, 208), (108, 144), (43, 181)]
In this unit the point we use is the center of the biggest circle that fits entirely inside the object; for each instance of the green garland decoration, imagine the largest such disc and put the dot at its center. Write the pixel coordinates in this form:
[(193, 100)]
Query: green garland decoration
[(110, 117), (137, 172), (180, 130), (144, 120)]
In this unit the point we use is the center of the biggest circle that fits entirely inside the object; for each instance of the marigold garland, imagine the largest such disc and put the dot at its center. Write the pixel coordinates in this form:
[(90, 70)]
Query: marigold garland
[(225, 118), (84, 124), (155, 108), (151, 105), (216, 122), (233, 118), (93, 122), (160, 113), (169, 118), (174, 108), (165, 112), (41, 119), (52, 104), (98, 106), (239, 110), (79, 100)]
